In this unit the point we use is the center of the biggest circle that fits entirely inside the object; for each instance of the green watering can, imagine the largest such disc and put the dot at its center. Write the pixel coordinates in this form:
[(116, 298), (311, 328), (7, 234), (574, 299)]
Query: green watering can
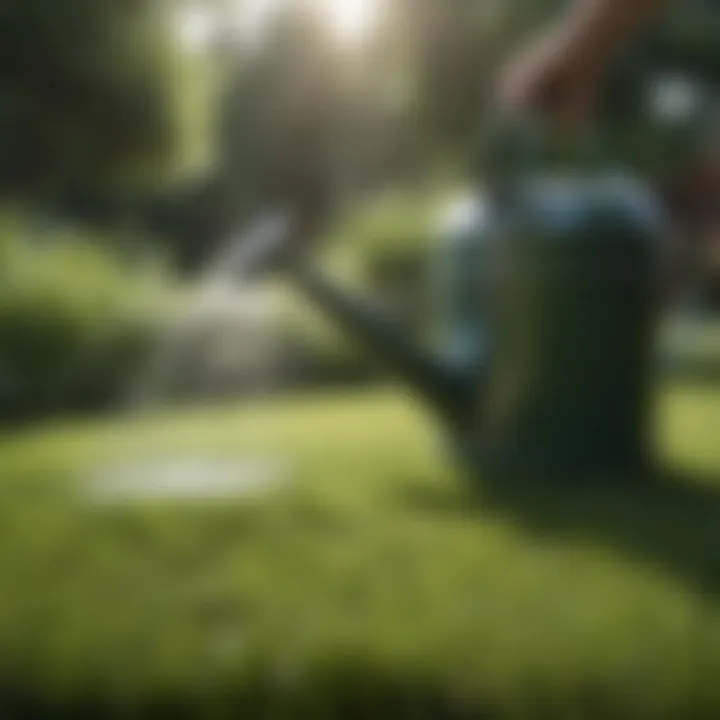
[(547, 296)]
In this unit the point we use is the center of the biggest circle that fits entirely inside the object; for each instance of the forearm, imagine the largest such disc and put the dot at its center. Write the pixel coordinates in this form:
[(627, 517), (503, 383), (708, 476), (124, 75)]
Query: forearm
[(602, 26)]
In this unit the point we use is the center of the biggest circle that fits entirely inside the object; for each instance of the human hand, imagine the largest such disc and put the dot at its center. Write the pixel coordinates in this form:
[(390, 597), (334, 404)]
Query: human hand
[(558, 77)]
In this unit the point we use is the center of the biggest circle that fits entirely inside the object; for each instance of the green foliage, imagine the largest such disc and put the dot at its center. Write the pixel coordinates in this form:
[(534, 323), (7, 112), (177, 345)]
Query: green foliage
[(75, 320), (371, 585), (389, 242), (394, 223), (393, 229), (92, 92), (686, 38)]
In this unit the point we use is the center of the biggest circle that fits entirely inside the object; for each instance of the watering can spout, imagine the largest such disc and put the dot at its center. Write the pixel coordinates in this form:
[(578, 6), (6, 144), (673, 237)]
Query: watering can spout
[(448, 390)]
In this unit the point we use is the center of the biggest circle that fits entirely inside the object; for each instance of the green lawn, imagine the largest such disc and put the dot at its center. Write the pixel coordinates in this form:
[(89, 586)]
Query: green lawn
[(371, 585)]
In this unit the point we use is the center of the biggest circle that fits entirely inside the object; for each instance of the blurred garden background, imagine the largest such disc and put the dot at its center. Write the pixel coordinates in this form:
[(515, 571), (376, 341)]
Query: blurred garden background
[(141, 138)]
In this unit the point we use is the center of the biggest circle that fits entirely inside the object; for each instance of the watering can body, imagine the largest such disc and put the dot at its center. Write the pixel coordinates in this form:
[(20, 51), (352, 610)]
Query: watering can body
[(550, 300)]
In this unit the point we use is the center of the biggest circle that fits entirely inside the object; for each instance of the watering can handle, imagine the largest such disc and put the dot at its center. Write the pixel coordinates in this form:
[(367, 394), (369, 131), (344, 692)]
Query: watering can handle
[(514, 144)]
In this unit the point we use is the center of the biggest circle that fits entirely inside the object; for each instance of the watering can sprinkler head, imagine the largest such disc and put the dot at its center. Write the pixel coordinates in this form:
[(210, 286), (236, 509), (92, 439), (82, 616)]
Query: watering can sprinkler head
[(282, 238), (269, 246)]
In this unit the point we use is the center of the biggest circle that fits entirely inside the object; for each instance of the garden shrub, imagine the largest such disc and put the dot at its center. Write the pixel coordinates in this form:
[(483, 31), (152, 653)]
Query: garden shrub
[(75, 319), (389, 243)]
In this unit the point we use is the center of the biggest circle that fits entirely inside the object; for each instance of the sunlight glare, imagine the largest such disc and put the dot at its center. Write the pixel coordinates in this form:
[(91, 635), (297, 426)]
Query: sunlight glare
[(195, 29), (352, 19), (253, 16)]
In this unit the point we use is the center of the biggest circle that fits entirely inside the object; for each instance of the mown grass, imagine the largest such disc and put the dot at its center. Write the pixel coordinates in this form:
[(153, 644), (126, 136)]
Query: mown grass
[(373, 584)]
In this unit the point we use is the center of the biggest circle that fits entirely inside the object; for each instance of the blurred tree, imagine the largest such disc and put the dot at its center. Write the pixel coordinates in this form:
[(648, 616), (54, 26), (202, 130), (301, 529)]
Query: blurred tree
[(276, 133), (92, 95), (277, 124)]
